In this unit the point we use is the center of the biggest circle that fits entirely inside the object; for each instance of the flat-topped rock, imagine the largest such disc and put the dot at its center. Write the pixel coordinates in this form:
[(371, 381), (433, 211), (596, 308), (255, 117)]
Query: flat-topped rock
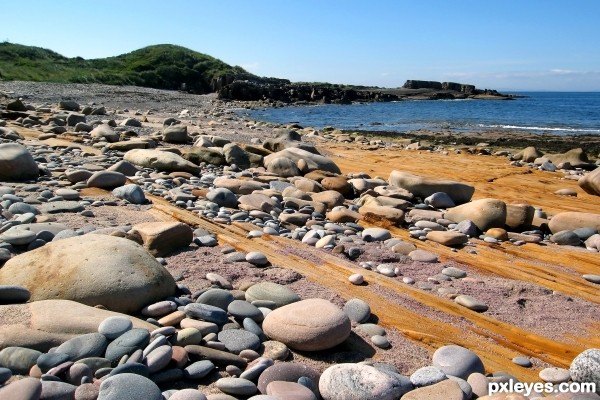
[(312, 161), (42, 325), (160, 160), (425, 187), (447, 238)]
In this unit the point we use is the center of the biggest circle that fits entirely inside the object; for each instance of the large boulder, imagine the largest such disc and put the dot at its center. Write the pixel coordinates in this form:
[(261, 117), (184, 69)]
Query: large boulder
[(485, 213), (286, 138), (313, 161), (104, 132), (160, 160), (575, 157), (299, 327), (175, 134), (44, 324), (234, 154), (528, 154), (571, 220), (284, 167), (590, 182), (16, 163), (91, 269), (209, 155), (424, 187)]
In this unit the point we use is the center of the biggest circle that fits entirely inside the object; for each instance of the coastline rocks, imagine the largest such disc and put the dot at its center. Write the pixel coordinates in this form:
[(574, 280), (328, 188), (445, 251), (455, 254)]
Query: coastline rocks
[(300, 328), (425, 187), (590, 182), (160, 160), (572, 220), (162, 238), (44, 324), (457, 361), (311, 160), (484, 213), (107, 270), (358, 382), (16, 163)]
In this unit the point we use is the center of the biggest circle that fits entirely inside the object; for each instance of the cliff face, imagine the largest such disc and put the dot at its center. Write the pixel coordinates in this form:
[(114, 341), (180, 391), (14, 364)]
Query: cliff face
[(255, 89)]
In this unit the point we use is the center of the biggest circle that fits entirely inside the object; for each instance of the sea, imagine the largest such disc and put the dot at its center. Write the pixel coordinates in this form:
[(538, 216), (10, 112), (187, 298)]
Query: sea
[(557, 113)]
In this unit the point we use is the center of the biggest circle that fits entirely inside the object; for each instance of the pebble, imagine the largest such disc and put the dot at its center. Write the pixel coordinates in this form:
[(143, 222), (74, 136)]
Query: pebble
[(426, 376), (356, 279), (257, 258), (522, 361), (555, 375), (471, 303), (376, 235), (129, 386), (457, 361), (216, 297), (236, 340), (423, 256), (454, 272), (84, 346), (236, 386), (187, 394), (207, 313), (113, 327), (380, 341), (198, 369), (278, 294), (357, 310), (242, 309), (12, 294)]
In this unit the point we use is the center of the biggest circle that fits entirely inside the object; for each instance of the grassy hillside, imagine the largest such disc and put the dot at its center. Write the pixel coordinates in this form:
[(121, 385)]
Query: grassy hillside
[(162, 66)]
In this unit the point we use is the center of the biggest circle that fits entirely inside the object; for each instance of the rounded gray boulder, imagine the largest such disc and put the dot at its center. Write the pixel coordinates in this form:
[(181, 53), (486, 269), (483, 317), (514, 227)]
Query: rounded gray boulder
[(16, 163)]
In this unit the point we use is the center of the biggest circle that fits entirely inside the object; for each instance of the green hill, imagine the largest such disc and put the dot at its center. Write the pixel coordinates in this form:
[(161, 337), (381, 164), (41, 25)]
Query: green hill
[(162, 66)]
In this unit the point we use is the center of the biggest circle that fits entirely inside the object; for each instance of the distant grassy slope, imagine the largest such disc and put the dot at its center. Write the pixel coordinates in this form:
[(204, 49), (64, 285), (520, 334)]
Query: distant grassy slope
[(162, 66)]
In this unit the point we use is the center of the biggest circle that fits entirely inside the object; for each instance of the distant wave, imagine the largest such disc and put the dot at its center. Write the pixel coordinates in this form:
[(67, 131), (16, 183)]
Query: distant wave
[(540, 128)]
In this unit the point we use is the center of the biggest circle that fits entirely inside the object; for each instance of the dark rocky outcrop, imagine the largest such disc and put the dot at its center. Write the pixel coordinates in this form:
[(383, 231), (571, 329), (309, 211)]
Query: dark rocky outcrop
[(247, 87)]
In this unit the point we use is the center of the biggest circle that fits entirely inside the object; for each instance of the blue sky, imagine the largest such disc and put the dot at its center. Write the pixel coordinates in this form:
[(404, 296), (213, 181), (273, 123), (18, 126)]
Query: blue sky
[(500, 44)]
